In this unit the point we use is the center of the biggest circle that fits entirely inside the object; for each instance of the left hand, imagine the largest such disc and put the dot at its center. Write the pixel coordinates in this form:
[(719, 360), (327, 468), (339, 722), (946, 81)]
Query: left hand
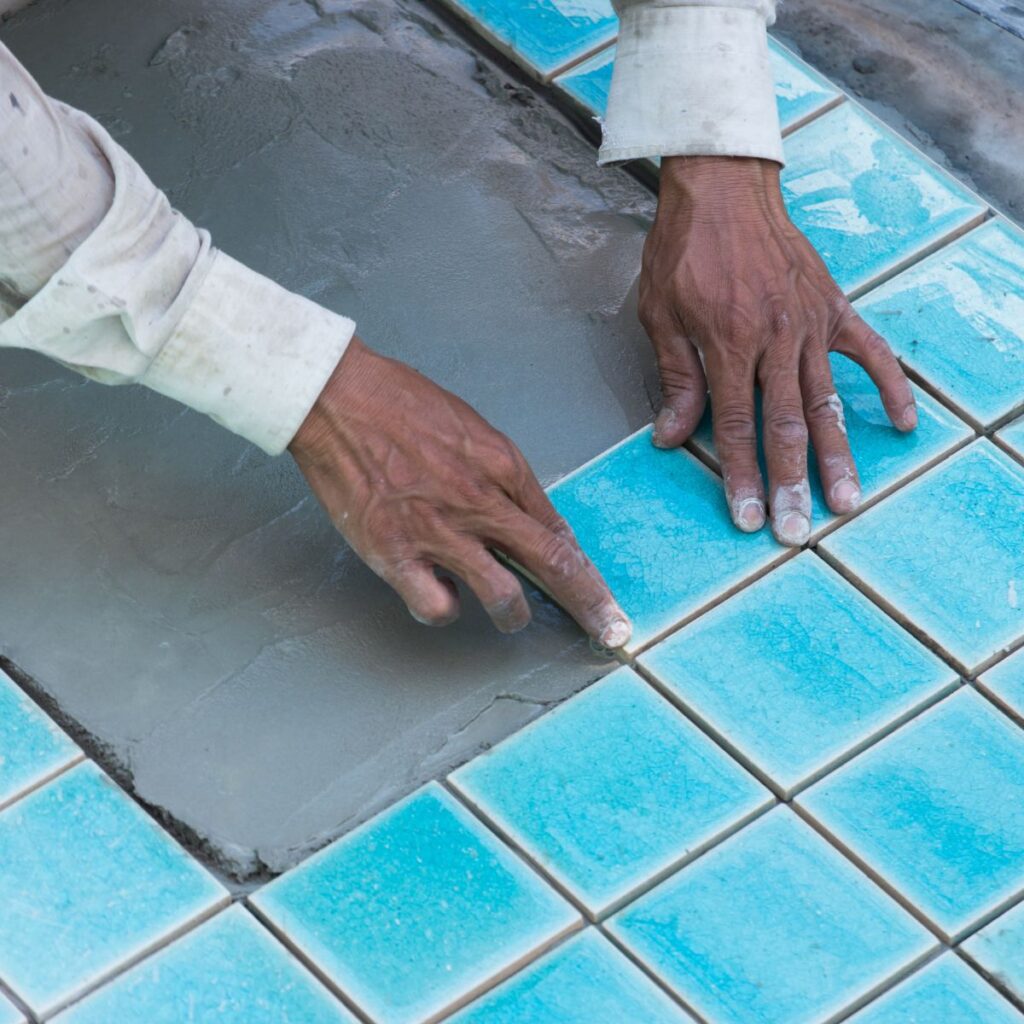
[(733, 295)]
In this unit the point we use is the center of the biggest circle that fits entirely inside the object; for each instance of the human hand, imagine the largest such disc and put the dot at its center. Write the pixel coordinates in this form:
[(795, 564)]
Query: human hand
[(733, 294), (415, 479)]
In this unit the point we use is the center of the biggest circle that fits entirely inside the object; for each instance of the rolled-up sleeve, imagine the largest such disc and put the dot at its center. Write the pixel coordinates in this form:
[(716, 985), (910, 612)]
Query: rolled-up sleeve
[(692, 77), (98, 272)]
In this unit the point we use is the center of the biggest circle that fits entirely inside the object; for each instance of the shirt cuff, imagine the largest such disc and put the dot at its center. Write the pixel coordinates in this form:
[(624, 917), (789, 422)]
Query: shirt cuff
[(250, 354), (692, 81)]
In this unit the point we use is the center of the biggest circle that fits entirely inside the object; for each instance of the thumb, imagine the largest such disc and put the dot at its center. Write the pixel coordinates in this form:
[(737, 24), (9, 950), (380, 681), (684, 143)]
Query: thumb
[(684, 391)]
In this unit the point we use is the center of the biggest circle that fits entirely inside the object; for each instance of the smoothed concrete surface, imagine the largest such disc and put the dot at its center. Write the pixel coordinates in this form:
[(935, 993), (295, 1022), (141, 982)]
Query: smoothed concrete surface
[(179, 595)]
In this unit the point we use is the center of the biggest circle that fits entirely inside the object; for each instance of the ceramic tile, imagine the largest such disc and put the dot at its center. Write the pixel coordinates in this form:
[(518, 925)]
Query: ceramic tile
[(866, 200), (32, 746), (957, 318), (229, 970), (411, 913), (611, 789), (590, 82), (798, 671), (1013, 434), (945, 551), (999, 949), (584, 981), (88, 882), (884, 456), (656, 526), (1006, 681), (937, 810), (9, 1013), (546, 35), (947, 991), (773, 925)]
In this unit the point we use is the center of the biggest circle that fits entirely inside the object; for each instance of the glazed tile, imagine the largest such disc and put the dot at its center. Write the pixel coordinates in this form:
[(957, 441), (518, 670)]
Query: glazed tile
[(229, 970), (32, 746), (947, 991), (937, 810), (798, 671), (590, 82), (88, 883), (866, 200), (411, 913), (1013, 435), (9, 1013), (957, 319), (999, 949), (945, 551), (656, 526), (884, 456), (773, 925), (584, 981), (1006, 681), (610, 789), (546, 35)]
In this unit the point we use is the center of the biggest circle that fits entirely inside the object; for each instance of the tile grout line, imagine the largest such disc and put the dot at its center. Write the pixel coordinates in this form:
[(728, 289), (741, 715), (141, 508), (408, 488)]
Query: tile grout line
[(992, 979), (45, 780)]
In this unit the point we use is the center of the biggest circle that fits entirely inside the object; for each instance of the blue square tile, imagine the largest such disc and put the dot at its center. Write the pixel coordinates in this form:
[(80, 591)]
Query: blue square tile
[(1012, 435), (937, 810), (999, 950), (1006, 682), (610, 790), (32, 746), (229, 970), (798, 671), (774, 925), (546, 35), (947, 991), (946, 552), (89, 882), (585, 981), (10, 1014), (590, 82), (884, 456), (656, 526), (412, 913), (957, 318), (867, 200)]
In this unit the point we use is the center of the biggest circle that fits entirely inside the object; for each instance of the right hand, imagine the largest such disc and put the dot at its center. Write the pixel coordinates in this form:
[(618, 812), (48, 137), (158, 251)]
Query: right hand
[(415, 480)]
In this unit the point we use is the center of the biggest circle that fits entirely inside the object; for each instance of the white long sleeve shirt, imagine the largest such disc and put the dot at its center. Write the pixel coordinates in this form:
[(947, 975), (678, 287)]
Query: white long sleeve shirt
[(98, 272)]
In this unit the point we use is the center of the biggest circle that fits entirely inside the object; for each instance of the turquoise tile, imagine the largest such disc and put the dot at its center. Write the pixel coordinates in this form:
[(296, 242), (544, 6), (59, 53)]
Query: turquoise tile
[(411, 913), (590, 82), (611, 789), (1013, 435), (957, 318), (9, 1014), (230, 970), (797, 671), (89, 881), (866, 199), (1006, 681), (656, 526), (999, 949), (774, 925), (946, 552), (546, 35), (947, 991), (937, 810), (884, 456), (32, 746), (584, 981)]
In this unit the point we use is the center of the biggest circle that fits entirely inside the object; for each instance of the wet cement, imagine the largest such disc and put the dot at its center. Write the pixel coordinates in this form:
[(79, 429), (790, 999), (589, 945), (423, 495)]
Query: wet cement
[(178, 594)]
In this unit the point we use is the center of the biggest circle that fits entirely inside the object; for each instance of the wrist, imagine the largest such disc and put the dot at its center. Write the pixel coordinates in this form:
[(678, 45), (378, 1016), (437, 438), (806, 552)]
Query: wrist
[(722, 187)]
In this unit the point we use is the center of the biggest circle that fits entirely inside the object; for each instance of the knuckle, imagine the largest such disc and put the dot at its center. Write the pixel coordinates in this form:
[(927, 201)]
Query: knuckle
[(559, 559), (735, 426), (786, 429)]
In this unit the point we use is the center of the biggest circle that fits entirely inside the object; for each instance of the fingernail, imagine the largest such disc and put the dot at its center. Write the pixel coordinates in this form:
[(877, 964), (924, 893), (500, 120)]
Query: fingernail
[(845, 496), (665, 422), (616, 633), (750, 515), (910, 416), (794, 529)]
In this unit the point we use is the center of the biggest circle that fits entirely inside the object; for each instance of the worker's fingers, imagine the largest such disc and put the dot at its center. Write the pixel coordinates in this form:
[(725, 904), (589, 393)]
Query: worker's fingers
[(498, 590), (823, 410), (859, 342), (683, 390), (432, 601)]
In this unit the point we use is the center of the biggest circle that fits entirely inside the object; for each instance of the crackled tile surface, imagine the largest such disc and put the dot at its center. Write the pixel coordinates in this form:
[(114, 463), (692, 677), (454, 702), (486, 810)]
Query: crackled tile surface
[(947, 991), (773, 925), (610, 789), (32, 746), (798, 670), (937, 810), (1006, 681), (229, 970), (545, 34), (957, 318), (946, 552), (413, 911), (884, 456), (584, 981), (1013, 435), (999, 949), (866, 200), (656, 526), (88, 882)]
